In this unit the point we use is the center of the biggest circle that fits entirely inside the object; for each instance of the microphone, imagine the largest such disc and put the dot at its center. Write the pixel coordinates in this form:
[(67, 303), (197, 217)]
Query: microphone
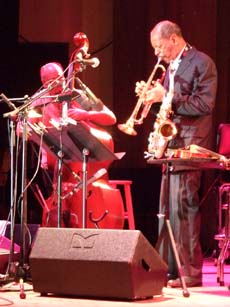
[(79, 186), (66, 96), (8, 102), (93, 62), (97, 103)]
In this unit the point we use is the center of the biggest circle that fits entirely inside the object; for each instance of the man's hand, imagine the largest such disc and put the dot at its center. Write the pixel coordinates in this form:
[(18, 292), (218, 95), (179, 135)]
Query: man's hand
[(155, 93), (140, 86)]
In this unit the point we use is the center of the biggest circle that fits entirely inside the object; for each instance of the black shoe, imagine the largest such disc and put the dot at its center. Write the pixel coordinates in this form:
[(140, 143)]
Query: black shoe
[(189, 281), (172, 276)]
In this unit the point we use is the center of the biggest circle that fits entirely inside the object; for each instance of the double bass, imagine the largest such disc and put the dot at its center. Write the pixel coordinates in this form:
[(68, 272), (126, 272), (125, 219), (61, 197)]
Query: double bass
[(104, 206)]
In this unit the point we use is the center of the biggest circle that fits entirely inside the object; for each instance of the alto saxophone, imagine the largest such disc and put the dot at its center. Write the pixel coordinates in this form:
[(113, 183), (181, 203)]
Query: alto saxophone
[(164, 129)]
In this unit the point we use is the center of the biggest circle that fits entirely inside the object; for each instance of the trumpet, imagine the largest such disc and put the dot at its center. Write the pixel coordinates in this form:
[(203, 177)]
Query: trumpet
[(128, 126)]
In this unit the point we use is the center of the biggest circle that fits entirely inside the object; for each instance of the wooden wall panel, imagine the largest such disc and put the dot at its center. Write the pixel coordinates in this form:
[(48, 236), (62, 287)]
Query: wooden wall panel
[(58, 21)]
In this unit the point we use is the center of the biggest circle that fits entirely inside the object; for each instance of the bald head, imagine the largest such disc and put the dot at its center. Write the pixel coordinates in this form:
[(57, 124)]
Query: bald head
[(167, 40), (52, 75), (165, 28)]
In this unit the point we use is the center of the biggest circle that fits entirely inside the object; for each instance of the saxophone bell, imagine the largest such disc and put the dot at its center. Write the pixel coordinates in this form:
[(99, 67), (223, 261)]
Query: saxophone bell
[(159, 138), (167, 130)]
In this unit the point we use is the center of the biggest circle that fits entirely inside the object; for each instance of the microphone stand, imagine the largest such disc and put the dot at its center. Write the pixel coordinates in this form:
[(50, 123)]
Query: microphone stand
[(11, 265), (26, 105), (23, 267), (12, 206), (82, 63)]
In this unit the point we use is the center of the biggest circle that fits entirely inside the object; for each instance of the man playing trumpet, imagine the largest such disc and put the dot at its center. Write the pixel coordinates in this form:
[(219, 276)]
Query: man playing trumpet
[(194, 79)]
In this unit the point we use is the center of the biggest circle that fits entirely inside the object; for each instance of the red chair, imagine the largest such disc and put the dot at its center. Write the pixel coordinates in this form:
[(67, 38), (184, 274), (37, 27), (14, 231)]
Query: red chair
[(223, 145), (126, 186)]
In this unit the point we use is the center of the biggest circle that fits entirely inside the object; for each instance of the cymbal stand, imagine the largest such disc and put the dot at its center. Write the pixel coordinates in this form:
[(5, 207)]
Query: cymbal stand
[(167, 224)]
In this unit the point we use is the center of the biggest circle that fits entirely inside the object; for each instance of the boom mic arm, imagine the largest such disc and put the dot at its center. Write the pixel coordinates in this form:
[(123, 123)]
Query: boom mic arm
[(96, 102)]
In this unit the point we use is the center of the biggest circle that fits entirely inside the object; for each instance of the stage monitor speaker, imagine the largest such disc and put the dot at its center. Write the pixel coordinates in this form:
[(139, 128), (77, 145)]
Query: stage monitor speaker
[(118, 264)]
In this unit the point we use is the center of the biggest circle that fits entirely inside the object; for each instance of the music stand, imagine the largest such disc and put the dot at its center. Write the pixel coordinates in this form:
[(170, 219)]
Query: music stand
[(78, 144)]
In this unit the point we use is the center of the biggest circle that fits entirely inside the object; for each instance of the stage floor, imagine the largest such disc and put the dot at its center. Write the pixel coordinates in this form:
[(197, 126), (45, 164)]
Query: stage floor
[(210, 294)]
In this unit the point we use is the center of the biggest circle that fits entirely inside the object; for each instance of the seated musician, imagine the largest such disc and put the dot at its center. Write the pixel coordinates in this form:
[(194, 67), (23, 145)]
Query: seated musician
[(80, 109)]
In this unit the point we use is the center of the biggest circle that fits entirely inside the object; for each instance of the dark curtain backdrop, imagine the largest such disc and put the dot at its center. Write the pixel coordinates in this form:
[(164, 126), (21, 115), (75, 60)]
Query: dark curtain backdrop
[(135, 59), (204, 25), (36, 31)]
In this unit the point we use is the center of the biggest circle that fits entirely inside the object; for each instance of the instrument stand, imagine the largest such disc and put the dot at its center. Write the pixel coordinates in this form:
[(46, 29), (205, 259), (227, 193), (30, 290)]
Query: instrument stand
[(212, 161), (167, 226)]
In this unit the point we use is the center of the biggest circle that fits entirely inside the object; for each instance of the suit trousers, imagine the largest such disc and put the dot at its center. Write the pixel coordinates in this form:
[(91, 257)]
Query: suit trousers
[(179, 195)]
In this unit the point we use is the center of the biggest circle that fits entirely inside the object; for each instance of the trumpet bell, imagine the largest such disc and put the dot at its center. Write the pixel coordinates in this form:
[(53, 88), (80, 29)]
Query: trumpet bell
[(128, 129)]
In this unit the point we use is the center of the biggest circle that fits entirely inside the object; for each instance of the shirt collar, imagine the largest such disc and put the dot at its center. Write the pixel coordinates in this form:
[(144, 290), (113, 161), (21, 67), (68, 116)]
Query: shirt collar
[(174, 64)]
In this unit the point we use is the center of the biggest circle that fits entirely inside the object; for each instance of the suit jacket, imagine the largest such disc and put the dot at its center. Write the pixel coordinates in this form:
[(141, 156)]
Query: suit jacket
[(195, 86)]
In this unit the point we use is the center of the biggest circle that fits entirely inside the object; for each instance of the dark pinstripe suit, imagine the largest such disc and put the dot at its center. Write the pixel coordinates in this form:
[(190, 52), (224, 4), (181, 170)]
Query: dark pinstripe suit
[(193, 103)]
